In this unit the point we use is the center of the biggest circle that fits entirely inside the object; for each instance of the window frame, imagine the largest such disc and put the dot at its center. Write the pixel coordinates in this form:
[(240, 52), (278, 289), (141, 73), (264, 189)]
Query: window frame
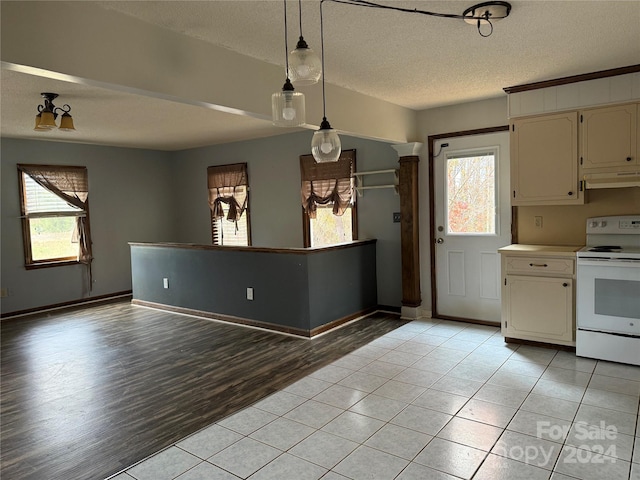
[(469, 153), (306, 221), (247, 210), (29, 262)]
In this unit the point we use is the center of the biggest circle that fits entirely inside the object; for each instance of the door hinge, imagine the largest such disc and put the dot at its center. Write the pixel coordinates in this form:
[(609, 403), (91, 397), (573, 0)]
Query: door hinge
[(581, 160), (505, 281), (514, 194)]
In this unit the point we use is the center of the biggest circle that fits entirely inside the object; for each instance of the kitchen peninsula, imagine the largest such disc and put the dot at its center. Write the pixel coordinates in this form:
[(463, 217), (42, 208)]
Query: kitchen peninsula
[(301, 291)]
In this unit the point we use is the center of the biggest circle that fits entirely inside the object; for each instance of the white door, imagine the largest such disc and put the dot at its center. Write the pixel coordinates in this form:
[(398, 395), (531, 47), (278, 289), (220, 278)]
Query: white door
[(472, 220)]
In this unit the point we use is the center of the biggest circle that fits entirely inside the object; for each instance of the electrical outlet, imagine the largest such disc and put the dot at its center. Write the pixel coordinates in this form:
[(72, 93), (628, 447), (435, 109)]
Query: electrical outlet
[(165, 282), (396, 217), (249, 293), (538, 221)]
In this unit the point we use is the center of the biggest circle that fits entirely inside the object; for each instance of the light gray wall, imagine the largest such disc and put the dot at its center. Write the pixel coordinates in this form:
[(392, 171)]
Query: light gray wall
[(274, 178), (130, 199), (151, 196)]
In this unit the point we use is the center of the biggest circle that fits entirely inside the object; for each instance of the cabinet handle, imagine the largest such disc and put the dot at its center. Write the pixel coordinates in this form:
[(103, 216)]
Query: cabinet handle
[(538, 265), (570, 193), (628, 159), (565, 284)]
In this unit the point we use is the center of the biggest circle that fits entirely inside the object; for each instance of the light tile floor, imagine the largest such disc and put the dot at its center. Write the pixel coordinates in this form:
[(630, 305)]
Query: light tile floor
[(430, 400)]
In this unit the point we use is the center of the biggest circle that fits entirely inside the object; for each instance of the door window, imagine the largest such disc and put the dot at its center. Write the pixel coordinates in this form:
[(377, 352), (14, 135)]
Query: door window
[(471, 193)]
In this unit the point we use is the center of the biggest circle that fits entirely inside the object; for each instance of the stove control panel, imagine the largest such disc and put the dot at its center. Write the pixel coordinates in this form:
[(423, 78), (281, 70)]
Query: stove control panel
[(632, 224), (624, 224)]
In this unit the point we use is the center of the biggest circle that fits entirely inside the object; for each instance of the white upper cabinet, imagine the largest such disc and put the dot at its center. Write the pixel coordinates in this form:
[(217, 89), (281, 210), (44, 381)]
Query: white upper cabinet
[(544, 160), (608, 138)]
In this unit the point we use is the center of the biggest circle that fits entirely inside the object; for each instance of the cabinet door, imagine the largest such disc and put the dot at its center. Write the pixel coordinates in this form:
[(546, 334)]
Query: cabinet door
[(544, 160), (609, 137), (538, 308)]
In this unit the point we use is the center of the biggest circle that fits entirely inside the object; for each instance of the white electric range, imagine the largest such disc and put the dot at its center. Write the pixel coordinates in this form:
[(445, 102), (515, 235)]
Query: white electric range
[(608, 290)]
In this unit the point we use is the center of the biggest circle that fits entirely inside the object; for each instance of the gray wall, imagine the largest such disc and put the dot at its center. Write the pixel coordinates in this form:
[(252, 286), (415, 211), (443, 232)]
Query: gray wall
[(129, 200), (302, 291), (276, 218), (151, 196)]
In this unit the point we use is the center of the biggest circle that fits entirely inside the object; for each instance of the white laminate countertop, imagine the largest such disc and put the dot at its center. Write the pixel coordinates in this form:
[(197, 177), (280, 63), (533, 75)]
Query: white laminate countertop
[(547, 250)]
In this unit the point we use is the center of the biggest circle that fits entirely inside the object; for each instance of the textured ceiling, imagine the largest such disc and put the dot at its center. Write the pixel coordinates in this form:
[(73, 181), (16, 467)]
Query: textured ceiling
[(410, 60), (414, 60)]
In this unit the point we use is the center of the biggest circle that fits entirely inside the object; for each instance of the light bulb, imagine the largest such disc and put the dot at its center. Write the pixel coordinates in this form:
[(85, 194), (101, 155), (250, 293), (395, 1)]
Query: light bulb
[(303, 70), (288, 113), (325, 146)]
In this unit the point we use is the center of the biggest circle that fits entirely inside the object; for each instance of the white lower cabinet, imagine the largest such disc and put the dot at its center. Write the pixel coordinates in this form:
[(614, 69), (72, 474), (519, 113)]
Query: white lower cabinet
[(538, 293)]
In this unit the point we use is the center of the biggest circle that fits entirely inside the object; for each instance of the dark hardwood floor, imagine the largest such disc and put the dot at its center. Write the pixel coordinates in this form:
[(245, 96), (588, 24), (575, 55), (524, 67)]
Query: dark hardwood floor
[(88, 392)]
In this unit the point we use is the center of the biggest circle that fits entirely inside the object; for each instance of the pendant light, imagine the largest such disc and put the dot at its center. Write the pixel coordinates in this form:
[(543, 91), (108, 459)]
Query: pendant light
[(287, 106), (304, 65), (325, 145)]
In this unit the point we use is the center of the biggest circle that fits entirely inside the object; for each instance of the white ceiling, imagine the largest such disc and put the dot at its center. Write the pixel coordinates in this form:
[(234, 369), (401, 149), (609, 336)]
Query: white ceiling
[(411, 60)]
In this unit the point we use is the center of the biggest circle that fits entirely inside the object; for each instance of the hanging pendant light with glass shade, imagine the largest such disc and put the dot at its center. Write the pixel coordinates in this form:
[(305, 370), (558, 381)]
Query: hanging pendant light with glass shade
[(325, 145), (304, 65), (287, 106)]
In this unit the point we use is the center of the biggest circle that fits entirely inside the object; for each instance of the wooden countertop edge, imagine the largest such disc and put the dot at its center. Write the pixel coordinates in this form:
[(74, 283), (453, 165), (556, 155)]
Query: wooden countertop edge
[(294, 251)]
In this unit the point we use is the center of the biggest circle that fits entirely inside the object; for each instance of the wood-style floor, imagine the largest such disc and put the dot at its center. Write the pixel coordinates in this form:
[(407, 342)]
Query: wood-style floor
[(88, 392)]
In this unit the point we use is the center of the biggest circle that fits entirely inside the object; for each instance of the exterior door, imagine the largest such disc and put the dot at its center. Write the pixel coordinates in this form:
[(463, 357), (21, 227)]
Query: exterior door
[(472, 220)]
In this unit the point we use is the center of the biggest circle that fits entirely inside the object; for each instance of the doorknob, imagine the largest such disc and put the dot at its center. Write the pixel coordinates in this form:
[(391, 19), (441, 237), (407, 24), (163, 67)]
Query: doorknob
[(439, 240)]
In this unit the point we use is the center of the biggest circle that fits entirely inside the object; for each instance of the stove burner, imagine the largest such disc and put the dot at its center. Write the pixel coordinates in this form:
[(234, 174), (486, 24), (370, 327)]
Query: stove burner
[(606, 248)]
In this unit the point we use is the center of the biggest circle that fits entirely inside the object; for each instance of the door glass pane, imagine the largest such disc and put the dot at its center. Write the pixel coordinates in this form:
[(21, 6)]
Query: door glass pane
[(471, 194)]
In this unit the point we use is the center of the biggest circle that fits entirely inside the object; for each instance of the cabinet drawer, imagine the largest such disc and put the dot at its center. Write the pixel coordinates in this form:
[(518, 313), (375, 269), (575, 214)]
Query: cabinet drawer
[(540, 266)]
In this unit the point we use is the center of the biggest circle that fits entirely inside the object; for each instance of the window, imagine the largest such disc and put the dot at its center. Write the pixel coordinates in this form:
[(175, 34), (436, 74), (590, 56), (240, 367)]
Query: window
[(471, 194), (329, 209), (229, 203), (55, 215)]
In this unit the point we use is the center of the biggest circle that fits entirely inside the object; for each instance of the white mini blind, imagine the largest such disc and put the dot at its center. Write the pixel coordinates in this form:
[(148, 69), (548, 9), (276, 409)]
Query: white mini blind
[(40, 200)]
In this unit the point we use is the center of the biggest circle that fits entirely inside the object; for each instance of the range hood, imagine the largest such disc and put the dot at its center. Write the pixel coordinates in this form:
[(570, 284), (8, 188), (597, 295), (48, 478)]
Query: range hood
[(612, 180)]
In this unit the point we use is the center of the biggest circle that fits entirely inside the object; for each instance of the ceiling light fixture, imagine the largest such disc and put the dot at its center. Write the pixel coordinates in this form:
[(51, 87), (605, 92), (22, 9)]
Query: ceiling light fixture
[(481, 14), (304, 64), (287, 106), (48, 113), (325, 145)]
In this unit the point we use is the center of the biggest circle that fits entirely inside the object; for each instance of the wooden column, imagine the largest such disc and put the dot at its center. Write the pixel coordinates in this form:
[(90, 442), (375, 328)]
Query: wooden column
[(409, 228)]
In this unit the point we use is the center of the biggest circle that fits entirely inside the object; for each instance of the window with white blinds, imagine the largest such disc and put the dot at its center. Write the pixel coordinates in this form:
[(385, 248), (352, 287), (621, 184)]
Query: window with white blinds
[(55, 218), (229, 203), (225, 232)]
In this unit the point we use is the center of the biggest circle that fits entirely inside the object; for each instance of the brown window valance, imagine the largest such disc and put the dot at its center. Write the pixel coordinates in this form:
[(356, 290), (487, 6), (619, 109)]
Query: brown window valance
[(327, 183), (228, 184)]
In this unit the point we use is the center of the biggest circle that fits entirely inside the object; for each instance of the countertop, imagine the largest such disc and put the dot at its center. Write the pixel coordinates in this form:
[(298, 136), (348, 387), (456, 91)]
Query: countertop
[(547, 250)]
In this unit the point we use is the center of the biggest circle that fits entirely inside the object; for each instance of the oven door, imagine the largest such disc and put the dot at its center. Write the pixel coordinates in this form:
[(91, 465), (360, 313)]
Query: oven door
[(608, 295)]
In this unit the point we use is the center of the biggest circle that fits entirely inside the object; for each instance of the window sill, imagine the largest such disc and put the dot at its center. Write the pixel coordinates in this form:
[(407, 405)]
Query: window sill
[(47, 264)]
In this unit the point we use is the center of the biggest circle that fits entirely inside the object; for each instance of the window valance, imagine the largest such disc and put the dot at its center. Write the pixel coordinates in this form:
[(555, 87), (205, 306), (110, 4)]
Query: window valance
[(327, 183), (228, 184)]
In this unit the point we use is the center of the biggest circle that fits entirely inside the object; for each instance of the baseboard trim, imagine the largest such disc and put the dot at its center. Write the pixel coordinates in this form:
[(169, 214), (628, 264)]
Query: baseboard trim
[(297, 332), (109, 297)]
